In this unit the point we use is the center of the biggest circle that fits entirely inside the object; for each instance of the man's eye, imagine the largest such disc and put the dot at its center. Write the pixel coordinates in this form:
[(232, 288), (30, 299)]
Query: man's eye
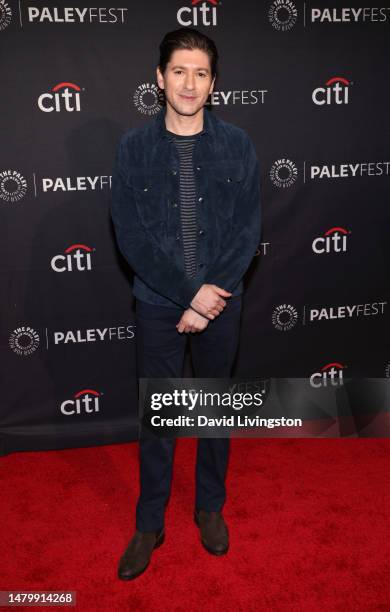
[(178, 71), (202, 74)]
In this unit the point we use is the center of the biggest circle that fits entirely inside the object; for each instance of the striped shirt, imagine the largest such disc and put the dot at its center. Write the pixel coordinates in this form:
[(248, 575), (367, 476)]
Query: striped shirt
[(185, 147)]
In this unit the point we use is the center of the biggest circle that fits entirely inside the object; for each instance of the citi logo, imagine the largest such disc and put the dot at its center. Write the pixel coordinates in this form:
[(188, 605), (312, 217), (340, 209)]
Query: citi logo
[(195, 15), (330, 375), (336, 91), (333, 241), (84, 402), (65, 96), (77, 257)]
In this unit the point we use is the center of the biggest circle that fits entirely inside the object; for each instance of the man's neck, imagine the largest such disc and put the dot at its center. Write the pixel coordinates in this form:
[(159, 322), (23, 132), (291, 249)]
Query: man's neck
[(183, 125)]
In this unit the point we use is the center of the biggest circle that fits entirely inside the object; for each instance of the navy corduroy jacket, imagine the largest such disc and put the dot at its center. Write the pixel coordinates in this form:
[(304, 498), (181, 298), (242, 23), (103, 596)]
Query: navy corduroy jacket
[(145, 209)]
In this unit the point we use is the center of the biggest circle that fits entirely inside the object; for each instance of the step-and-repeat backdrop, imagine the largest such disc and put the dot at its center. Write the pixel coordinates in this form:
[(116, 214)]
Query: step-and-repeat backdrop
[(309, 83)]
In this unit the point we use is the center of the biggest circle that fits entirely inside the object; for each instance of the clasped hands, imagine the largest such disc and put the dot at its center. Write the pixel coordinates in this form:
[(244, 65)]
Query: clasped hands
[(206, 305)]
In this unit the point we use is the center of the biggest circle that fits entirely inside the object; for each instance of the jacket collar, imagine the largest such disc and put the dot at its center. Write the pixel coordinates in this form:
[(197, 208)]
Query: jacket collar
[(209, 123)]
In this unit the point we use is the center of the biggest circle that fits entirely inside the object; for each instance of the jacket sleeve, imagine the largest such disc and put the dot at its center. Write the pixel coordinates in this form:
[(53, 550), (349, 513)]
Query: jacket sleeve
[(141, 249), (229, 267)]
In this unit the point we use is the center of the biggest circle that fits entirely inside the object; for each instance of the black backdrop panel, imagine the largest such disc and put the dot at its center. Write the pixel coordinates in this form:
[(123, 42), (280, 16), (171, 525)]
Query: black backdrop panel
[(309, 84)]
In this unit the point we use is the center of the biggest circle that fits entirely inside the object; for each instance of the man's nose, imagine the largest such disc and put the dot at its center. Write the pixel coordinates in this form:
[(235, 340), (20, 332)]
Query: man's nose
[(190, 81)]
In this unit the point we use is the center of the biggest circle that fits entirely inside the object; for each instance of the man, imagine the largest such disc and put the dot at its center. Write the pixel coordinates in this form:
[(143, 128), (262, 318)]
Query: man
[(185, 207)]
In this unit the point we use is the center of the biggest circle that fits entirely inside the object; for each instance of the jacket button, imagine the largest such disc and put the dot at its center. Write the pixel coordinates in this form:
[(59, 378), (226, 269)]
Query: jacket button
[(199, 168), (229, 180), (177, 236), (201, 232), (146, 188), (174, 204), (201, 265), (174, 172), (200, 199)]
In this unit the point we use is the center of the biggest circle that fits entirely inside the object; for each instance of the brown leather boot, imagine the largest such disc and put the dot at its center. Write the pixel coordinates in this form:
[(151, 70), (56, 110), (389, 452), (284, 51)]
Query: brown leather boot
[(136, 557), (214, 533)]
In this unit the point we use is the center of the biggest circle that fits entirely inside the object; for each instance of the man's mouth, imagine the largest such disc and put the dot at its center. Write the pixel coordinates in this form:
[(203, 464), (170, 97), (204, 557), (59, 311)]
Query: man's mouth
[(187, 97)]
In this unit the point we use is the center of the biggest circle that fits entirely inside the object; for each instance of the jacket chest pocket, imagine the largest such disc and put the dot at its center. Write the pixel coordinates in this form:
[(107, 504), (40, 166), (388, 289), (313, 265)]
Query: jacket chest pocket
[(148, 188), (226, 178)]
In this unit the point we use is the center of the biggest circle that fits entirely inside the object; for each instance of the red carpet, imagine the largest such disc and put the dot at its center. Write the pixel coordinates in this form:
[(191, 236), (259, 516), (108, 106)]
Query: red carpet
[(308, 520)]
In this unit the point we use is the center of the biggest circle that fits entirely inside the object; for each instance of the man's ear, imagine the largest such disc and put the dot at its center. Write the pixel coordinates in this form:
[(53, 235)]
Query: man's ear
[(160, 78)]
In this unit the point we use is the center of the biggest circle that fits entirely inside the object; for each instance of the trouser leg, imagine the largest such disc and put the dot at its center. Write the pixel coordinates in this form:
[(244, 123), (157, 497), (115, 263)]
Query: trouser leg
[(160, 354), (213, 352)]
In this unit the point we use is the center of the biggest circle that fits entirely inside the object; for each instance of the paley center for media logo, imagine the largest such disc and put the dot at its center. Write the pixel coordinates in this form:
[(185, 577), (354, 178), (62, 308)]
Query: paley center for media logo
[(64, 96), (76, 257), (284, 317), (86, 401), (148, 98), (24, 340), (283, 173), (5, 14), (199, 13), (13, 186), (335, 91), (282, 15)]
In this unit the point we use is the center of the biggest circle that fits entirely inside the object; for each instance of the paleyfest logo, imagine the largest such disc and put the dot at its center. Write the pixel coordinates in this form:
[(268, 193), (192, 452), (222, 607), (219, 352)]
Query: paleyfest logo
[(65, 97), (13, 186), (283, 173), (5, 15), (148, 98), (349, 14), (336, 91), (282, 15), (75, 14), (24, 340), (198, 14)]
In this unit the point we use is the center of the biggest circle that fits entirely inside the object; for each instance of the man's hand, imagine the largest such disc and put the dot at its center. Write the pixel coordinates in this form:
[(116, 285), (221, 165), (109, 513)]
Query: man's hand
[(191, 321), (208, 300)]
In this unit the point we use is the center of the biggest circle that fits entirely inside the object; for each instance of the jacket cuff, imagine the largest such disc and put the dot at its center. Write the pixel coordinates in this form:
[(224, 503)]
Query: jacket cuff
[(188, 291)]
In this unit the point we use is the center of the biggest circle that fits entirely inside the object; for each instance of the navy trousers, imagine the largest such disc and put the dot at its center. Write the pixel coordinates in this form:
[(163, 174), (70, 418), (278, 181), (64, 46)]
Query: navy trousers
[(160, 354)]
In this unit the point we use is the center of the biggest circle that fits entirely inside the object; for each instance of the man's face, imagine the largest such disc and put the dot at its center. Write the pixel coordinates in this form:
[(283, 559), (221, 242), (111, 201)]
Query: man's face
[(187, 81)]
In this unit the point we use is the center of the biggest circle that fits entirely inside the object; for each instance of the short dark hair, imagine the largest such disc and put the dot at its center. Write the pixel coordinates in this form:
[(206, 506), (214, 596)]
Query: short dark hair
[(187, 38)]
